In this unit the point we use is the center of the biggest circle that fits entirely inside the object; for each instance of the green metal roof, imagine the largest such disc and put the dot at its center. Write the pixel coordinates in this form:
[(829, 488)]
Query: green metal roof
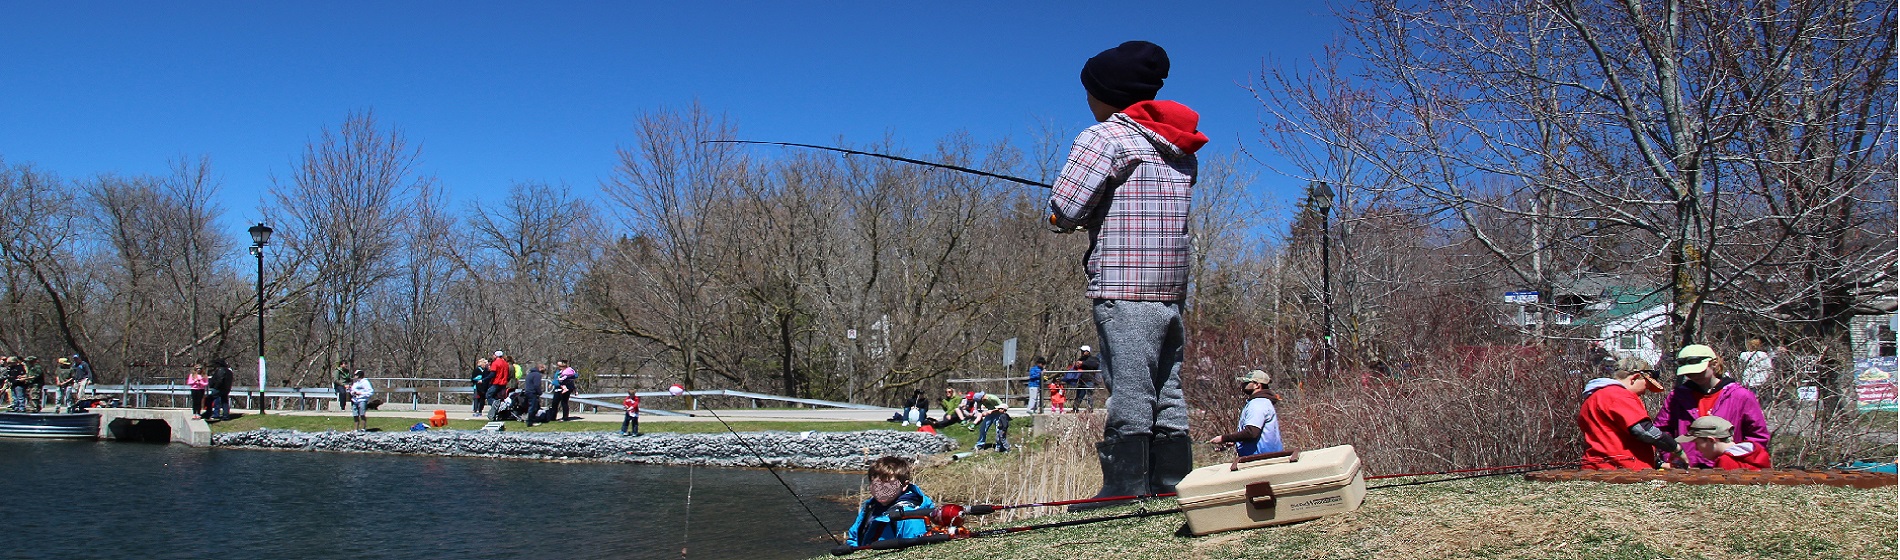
[(1624, 301)]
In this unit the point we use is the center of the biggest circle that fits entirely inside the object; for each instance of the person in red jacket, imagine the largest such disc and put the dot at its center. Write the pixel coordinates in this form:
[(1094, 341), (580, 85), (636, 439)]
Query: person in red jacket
[(1714, 437), (1617, 431), (630, 424), (500, 373)]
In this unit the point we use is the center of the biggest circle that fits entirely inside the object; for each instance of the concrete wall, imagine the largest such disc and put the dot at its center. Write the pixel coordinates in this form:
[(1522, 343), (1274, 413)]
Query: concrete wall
[(183, 428)]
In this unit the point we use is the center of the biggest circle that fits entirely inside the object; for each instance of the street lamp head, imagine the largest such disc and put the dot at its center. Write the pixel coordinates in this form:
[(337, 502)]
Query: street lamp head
[(260, 234), (1321, 195)]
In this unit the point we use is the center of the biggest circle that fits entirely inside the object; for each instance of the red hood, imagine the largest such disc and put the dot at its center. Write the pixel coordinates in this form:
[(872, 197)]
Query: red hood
[(1173, 121)]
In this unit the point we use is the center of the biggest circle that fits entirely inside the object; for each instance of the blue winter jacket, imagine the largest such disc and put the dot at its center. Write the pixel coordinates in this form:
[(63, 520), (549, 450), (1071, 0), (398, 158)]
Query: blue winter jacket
[(874, 523)]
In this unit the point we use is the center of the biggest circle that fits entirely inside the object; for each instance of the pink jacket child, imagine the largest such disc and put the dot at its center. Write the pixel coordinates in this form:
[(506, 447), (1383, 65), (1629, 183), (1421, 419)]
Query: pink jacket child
[(1727, 399)]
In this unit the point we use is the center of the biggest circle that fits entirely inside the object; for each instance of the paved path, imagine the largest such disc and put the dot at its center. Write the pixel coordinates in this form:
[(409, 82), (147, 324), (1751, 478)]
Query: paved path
[(732, 415)]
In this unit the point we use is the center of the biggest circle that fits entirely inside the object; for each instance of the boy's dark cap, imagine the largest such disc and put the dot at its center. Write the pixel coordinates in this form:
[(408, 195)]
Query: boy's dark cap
[(1130, 72)]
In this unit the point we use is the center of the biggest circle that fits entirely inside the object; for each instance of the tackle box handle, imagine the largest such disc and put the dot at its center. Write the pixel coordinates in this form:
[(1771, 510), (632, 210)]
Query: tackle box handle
[(1290, 456)]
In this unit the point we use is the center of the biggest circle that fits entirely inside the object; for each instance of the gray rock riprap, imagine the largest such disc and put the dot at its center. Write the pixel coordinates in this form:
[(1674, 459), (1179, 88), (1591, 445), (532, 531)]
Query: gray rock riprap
[(804, 450)]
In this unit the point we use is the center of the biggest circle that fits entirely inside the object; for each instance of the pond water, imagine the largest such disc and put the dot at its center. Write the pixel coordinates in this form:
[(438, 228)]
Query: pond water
[(147, 502)]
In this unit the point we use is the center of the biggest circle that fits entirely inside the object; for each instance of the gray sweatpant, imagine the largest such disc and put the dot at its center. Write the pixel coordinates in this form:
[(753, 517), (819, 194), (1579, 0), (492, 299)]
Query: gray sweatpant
[(1141, 366)]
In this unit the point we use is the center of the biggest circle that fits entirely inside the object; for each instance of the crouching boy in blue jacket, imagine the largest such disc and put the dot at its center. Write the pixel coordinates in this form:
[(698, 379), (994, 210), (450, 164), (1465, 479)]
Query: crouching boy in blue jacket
[(891, 492)]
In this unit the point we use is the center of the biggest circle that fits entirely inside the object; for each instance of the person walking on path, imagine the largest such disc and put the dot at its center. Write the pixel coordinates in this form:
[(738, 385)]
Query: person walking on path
[(340, 379), (1128, 182), (1259, 430), (360, 392), (1034, 384), (565, 386), (1617, 432), (630, 424), (197, 381), (1705, 391), (532, 386)]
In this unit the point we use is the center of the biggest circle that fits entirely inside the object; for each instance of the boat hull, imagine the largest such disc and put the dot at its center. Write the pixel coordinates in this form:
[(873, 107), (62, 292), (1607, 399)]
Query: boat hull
[(49, 426)]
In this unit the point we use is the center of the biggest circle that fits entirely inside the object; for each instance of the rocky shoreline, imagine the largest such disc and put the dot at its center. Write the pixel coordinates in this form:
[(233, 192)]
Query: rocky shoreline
[(838, 451)]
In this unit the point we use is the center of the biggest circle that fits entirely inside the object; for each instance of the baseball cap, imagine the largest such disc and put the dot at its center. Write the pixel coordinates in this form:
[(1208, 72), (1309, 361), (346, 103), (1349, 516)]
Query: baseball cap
[(1255, 376), (1085, 348), (1708, 427), (1694, 358), (1635, 365), (498, 353)]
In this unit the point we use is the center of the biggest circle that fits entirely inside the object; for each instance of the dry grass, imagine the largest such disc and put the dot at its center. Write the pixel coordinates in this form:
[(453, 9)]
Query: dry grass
[(1505, 517), (1057, 463)]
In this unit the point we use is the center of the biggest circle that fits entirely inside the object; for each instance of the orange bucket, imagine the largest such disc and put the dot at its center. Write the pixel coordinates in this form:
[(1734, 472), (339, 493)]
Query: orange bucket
[(440, 419)]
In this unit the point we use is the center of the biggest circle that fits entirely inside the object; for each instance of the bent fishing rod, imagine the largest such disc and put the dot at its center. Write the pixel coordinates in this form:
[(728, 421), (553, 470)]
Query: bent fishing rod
[(781, 480), (980, 172)]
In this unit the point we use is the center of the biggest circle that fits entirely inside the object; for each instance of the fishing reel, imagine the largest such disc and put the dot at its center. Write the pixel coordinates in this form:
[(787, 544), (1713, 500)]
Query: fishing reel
[(946, 519)]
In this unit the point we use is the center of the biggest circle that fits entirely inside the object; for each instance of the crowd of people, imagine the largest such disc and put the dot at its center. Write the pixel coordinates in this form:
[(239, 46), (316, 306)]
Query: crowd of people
[(508, 391), (30, 387)]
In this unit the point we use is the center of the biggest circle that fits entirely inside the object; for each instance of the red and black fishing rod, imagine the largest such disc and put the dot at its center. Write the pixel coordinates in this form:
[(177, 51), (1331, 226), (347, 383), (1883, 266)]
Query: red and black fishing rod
[(1500, 471), (895, 544), (986, 509)]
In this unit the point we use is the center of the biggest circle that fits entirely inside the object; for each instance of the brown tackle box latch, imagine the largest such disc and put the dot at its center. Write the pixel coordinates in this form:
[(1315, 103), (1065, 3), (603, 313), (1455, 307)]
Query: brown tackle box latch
[(1260, 495)]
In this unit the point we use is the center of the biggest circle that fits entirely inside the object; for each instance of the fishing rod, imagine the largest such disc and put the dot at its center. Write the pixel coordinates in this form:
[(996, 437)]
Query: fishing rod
[(781, 480), (889, 157), (986, 509), (896, 544), (1515, 469), (1462, 471)]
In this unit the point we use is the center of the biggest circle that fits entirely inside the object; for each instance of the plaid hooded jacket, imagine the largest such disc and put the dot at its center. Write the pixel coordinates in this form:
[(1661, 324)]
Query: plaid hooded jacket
[(1129, 181)]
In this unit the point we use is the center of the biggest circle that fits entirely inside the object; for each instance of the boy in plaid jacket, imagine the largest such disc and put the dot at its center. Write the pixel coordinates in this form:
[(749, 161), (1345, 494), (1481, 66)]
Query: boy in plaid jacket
[(1129, 182)]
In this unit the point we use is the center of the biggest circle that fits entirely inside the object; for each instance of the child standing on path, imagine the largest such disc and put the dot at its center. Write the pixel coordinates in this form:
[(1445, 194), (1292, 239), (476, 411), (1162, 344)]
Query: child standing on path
[(1057, 398), (630, 425), (1129, 182), (360, 392)]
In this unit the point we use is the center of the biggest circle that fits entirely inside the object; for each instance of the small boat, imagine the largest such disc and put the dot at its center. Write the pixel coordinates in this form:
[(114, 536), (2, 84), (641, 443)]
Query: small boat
[(83, 425)]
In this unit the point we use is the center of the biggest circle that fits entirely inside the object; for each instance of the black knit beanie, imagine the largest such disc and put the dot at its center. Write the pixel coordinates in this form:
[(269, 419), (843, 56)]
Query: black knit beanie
[(1130, 72)]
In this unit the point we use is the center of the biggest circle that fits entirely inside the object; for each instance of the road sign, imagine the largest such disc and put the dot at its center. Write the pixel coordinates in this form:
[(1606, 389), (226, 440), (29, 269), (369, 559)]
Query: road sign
[(1520, 297), (1009, 352)]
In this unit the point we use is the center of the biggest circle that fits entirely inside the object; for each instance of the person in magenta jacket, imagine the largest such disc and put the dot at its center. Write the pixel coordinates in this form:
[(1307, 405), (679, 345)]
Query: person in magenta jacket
[(1706, 392)]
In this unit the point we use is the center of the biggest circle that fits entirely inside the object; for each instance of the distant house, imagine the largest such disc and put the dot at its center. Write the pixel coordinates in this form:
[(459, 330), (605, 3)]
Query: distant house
[(1873, 334), (1628, 321)]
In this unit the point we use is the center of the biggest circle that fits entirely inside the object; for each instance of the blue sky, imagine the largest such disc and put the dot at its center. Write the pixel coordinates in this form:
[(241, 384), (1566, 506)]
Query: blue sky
[(503, 92)]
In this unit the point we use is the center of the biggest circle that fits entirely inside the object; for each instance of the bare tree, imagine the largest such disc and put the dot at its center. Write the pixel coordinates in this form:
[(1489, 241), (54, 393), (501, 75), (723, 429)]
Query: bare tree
[(340, 212)]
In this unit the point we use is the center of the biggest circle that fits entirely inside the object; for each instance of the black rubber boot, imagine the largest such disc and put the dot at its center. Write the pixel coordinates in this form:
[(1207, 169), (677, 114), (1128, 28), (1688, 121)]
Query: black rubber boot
[(1170, 457), (1124, 471)]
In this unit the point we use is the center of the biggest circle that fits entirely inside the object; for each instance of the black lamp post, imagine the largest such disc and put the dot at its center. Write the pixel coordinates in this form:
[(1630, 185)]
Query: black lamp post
[(260, 236), (1322, 196)]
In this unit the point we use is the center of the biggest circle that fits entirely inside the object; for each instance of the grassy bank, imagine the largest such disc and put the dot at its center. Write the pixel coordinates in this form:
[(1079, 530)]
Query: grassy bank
[(341, 423), (1501, 517)]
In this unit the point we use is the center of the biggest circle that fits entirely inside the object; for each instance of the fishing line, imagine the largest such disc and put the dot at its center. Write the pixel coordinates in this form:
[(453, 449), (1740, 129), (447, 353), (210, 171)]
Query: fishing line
[(781, 480), (889, 157), (687, 532)]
